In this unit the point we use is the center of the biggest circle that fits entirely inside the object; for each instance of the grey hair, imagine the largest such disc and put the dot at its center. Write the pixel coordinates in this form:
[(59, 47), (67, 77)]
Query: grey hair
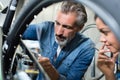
[(75, 7)]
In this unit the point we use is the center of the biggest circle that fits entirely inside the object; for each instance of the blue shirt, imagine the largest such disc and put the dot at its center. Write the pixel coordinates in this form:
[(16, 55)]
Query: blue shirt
[(74, 58)]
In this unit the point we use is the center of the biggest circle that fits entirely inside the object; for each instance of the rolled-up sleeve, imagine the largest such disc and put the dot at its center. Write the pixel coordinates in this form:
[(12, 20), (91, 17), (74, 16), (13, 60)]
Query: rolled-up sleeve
[(30, 33)]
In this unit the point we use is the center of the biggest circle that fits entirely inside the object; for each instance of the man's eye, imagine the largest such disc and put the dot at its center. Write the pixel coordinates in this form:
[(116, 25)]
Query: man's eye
[(67, 27), (57, 23)]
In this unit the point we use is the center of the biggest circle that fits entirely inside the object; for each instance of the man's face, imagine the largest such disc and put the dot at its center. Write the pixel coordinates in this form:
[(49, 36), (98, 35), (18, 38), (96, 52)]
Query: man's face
[(64, 27), (107, 36)]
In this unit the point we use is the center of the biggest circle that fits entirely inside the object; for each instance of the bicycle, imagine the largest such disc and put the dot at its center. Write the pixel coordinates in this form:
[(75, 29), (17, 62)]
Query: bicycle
[(12, 38)]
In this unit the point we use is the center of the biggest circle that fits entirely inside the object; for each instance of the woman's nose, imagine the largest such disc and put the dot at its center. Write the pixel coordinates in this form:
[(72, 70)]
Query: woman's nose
[(102, 38)]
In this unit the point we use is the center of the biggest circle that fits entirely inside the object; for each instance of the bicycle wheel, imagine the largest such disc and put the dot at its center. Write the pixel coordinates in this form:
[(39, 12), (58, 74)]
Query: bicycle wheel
[(14, 36)]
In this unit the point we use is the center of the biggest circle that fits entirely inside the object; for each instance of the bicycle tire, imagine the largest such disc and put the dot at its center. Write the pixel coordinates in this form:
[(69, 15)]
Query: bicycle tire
[(13, 39)]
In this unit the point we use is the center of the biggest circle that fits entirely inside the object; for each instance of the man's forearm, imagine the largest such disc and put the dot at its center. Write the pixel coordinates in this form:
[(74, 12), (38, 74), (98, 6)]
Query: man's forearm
[(52, 73)]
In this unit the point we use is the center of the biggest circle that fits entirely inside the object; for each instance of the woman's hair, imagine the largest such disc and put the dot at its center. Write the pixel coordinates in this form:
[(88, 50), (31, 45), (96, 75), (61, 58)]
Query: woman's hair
[(96, 16), (75, 7)]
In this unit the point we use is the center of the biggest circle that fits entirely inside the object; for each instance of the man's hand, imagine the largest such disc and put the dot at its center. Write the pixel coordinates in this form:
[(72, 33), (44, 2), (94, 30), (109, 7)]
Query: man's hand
[(47, 66)]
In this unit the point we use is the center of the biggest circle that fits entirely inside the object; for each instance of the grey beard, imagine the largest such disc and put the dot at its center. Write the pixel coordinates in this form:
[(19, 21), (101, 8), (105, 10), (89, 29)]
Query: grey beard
[(62, 43)]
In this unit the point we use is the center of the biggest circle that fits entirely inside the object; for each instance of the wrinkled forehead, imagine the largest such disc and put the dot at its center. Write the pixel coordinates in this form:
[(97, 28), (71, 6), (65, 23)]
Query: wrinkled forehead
[(66, 18)]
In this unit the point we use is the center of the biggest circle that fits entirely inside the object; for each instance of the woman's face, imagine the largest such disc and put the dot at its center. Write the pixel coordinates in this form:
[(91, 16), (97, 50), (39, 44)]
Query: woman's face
[(107, 36)]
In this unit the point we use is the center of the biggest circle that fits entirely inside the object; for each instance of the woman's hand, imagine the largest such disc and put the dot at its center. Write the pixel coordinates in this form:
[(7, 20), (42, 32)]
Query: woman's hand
[(107, 64)]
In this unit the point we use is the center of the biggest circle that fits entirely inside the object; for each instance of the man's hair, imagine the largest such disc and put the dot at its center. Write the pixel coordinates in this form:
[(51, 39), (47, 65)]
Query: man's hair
[(75, 7)]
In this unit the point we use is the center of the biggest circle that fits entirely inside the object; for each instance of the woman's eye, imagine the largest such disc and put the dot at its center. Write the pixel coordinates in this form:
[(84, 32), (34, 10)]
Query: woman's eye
[(106, 32)]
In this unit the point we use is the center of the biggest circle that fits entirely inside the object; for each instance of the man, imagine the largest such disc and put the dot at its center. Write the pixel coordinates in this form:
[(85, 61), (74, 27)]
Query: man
[(66, 53)]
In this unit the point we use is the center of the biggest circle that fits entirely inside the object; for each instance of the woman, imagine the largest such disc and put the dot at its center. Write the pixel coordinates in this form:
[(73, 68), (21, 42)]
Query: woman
[(105, 63)]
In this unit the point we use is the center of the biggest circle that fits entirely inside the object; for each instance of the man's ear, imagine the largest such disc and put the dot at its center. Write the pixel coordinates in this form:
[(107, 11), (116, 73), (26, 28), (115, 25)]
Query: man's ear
[(80, 28)]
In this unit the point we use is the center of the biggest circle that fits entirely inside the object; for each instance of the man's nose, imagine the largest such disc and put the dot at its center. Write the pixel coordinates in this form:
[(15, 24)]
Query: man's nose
[(60, 30)]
